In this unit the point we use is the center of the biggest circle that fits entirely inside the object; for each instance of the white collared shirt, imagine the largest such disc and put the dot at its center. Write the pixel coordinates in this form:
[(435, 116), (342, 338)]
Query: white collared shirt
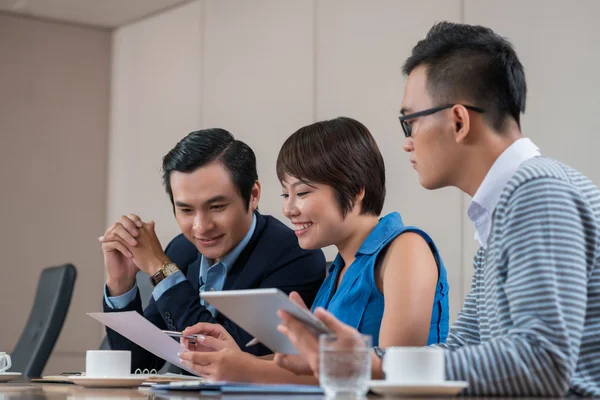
[(486, 198)]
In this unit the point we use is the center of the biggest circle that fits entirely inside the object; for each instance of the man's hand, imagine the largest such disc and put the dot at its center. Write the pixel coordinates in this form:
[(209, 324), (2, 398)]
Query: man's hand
[(148, 253), (210, 337), (305, 341), (118, 259), (137, 240)]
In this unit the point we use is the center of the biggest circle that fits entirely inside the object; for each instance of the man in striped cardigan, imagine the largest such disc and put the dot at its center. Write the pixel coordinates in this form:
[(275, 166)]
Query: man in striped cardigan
[(531, 322)]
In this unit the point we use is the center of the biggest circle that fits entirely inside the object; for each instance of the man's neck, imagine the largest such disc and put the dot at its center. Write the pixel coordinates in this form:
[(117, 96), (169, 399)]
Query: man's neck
[(484, 154), (248, 223)]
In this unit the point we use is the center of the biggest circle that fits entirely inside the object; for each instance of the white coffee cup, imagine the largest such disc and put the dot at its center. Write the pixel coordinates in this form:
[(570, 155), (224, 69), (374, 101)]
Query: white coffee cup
[(5, 361), (414, 365), (108, 363)]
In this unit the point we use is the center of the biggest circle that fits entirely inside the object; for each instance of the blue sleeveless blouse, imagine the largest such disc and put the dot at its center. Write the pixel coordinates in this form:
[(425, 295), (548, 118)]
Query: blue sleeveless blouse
[(357, 300)]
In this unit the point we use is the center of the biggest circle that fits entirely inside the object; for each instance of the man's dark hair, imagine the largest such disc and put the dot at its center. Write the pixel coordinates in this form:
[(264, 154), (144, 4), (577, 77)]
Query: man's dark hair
[(202, 147), (340, 153), (472, 64)]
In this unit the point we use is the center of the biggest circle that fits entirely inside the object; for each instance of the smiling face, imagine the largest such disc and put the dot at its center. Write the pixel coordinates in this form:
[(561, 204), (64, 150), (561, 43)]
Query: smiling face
[(434, 151), (315, 213), (209, 209)]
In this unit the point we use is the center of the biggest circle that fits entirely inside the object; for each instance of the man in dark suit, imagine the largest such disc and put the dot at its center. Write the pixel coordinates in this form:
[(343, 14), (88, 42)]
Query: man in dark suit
[(225, 244)]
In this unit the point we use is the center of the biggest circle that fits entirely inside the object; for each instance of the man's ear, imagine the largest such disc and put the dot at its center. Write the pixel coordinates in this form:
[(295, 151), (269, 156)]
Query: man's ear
[(462, 123), (254, 196)]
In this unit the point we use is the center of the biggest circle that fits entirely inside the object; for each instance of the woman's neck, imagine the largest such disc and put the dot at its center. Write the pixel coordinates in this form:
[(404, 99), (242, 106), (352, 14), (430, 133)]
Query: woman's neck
[(359, 231)]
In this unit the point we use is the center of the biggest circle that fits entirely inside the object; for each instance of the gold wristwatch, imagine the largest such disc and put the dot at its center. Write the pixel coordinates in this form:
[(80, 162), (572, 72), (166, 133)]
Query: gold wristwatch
[(167, 269)]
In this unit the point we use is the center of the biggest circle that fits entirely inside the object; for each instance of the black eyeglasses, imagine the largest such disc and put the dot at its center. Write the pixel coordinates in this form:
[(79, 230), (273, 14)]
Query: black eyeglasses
[(405, 118)]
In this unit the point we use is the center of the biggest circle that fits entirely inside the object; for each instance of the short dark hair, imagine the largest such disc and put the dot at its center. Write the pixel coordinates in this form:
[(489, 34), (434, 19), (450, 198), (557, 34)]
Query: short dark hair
[(473, 64), (340, 153), (202, 147)]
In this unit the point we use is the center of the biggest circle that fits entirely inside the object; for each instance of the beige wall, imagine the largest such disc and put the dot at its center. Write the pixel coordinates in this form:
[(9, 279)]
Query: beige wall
[(156, 72), (264, 68), (558, 43), (54, 97), (359, 51)]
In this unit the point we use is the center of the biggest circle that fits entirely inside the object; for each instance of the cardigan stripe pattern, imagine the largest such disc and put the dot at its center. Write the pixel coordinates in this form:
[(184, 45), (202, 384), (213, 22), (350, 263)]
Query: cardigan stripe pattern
[(531, 322)]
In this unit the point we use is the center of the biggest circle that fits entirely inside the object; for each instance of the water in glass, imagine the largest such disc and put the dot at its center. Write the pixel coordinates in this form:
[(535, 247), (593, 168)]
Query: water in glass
[(345, 365)]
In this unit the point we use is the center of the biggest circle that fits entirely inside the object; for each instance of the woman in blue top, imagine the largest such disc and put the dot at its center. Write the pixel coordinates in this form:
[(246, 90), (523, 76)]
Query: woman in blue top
[(387, 280)]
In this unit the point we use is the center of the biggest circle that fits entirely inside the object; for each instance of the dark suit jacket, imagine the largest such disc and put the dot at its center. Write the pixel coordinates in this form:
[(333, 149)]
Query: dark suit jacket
[(272, 259)]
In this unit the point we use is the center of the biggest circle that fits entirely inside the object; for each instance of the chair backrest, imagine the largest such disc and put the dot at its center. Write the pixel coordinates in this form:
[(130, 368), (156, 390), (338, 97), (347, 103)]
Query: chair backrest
[(145, 288), (50, 307), (104, 345), (327, 264)]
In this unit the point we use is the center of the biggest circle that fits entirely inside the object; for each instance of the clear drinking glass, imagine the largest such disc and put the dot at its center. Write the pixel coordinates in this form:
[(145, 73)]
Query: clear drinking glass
[(345, 365)]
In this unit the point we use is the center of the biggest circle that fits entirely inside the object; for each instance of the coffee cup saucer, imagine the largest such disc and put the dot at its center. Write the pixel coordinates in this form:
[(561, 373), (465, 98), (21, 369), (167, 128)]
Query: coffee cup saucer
[(9, 376), (442, 388)]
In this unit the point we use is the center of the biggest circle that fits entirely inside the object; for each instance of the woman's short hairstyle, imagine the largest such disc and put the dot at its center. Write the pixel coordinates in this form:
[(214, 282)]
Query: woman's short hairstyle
[(340, 153)]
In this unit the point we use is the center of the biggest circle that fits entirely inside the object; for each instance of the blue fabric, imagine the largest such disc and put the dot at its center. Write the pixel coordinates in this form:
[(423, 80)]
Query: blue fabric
[(122, 301), (118, 302), (167, 284), (359, 303), (212, 277)]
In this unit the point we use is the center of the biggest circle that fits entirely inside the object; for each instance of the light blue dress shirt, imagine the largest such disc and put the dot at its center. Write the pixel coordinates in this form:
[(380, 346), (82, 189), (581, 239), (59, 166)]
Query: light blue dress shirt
[(212, 276)]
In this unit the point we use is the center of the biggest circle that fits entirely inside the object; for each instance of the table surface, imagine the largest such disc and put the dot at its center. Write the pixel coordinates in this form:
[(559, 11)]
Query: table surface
[(57, 391)]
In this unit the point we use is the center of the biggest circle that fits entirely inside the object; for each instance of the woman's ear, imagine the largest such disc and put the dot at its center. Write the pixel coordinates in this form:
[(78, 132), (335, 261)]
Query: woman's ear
[(358, 199), (360, 196)]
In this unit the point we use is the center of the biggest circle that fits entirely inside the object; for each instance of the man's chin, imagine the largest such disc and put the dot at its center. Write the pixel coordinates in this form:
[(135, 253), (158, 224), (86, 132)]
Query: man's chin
[(431, 184), (212, 251)]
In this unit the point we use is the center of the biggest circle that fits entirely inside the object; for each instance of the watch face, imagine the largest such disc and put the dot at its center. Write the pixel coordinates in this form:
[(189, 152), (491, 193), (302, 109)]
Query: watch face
[(171, 269)]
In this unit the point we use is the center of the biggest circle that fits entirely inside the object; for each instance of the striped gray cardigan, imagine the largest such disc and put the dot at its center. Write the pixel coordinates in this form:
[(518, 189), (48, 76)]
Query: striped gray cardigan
[(531, 322)]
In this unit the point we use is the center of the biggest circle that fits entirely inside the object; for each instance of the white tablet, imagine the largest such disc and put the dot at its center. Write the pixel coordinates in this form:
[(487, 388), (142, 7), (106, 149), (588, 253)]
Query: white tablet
[(255, 311)]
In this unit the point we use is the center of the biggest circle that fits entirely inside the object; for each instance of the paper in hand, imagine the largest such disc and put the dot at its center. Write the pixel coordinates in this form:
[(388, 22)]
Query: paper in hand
[(143, 333)]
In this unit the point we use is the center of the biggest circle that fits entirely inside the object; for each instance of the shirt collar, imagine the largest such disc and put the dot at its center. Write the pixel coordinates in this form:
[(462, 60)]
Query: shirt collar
[(486, 198), (231, 257)]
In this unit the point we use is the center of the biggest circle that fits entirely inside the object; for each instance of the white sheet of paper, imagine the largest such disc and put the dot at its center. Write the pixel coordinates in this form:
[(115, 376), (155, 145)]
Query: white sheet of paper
[(143, 333)]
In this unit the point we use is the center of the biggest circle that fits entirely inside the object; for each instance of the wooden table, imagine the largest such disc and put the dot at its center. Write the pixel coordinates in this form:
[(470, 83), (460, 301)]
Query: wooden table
[(55, 391)]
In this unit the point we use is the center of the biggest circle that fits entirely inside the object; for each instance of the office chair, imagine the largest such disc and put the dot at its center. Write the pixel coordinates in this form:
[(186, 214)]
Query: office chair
[(47, 316)]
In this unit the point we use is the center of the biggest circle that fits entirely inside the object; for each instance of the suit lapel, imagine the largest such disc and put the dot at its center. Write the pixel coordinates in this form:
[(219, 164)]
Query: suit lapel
[(247, 259), (193, 272)]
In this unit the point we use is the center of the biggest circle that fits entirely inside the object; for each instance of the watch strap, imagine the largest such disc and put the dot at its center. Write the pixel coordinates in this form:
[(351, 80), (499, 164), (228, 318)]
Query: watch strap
[(167, 269)]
